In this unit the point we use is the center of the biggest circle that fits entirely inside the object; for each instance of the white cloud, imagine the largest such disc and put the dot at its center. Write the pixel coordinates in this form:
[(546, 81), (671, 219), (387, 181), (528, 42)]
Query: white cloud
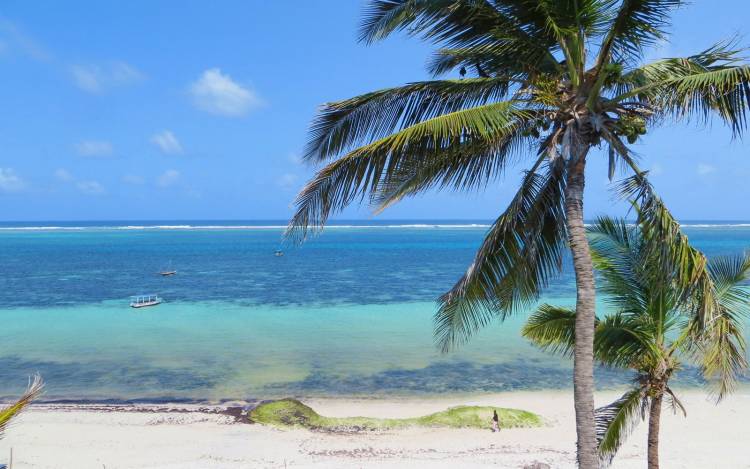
[(167, 143), (168, 178), (86, 78), (704, 169), (287, 181), (656, 169), (10, 181), (63, 175), (17, 41), (133, 179), (99, 78), (217, 93), (94, 148), (90, 187)]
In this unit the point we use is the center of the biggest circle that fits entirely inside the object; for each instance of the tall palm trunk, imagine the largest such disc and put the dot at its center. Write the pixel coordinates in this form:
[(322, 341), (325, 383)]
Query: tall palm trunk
[(583, 368), (654, 419)]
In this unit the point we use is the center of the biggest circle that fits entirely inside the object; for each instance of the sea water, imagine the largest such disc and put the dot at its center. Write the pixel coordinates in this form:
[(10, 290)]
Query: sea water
[(347, 313)]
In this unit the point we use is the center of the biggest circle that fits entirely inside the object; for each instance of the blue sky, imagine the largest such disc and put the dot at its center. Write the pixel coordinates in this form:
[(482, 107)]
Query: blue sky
[(199, 110)]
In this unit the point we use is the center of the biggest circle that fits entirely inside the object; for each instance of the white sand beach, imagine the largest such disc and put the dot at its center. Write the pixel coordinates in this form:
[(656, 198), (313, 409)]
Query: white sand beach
[(125, 437)]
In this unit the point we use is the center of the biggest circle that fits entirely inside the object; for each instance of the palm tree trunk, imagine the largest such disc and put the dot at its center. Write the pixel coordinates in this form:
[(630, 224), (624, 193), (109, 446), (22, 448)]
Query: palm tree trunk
[(583, 368), (653, 431)]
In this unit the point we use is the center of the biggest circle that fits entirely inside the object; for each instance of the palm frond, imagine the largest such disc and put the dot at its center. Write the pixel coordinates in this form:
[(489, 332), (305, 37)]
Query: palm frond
[(616, 253), (343, 125), (648, 79), (33, 391), (730, 275), (615, 422), (722, 352), (437, 20), (715, 327), (466, 165), (715, 82), (552, 328), (367, 168), (721, 346), (461, 23), (520, 253), (607, 235), (637, 24), (671, 248), (674, 402), (620, 340), (506, 58)]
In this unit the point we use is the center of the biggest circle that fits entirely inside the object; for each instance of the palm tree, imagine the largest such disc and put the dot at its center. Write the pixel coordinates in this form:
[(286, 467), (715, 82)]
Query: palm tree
[(545, 80), (651, 329)]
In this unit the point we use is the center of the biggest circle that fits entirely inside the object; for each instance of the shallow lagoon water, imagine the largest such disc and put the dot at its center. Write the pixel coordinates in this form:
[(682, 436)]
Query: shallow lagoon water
[(348, 313)]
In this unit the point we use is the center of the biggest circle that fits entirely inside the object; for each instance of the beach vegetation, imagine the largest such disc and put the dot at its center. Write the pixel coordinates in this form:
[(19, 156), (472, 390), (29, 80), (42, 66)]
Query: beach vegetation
[(10, 411), (652, 328), (288, 413), (552, 83)]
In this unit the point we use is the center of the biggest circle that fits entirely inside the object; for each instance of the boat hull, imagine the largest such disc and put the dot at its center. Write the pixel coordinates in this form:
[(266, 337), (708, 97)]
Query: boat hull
[(144, 305)]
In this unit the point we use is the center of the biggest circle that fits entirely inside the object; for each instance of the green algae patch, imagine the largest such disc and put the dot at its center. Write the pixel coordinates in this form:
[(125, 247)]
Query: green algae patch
[(291, 413)]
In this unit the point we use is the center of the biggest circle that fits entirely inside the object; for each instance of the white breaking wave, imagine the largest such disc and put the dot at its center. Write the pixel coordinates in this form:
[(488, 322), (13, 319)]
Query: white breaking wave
[(230, 227), (283, 227), (715, 225), (43, 228)]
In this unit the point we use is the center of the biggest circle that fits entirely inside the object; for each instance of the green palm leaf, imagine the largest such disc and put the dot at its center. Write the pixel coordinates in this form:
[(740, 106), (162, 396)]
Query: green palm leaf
[(636, 25), (552, 328), (670, 248), (614, 422), (722, 352), (466, 165), (508, 59), (721, 346), (520, 253), (342, 125), (373, 167), (621, 340), (729, 274), (616, 252), (715, 82), (460, 23), (438, 20)]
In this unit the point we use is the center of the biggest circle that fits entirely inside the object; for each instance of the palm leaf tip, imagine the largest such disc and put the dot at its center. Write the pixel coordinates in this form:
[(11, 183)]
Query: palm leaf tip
[(33, 391), (615, 421)]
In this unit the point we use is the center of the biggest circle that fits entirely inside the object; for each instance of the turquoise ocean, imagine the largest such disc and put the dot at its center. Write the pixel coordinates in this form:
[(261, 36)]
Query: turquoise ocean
[(348, 313)]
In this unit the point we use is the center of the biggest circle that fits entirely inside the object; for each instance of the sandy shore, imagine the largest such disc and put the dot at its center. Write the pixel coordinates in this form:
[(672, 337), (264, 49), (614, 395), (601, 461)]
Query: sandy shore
[(120, 437)]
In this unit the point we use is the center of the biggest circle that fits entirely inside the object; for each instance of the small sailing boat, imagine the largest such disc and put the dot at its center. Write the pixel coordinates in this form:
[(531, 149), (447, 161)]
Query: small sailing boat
[(141, 301), (168, 271)]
